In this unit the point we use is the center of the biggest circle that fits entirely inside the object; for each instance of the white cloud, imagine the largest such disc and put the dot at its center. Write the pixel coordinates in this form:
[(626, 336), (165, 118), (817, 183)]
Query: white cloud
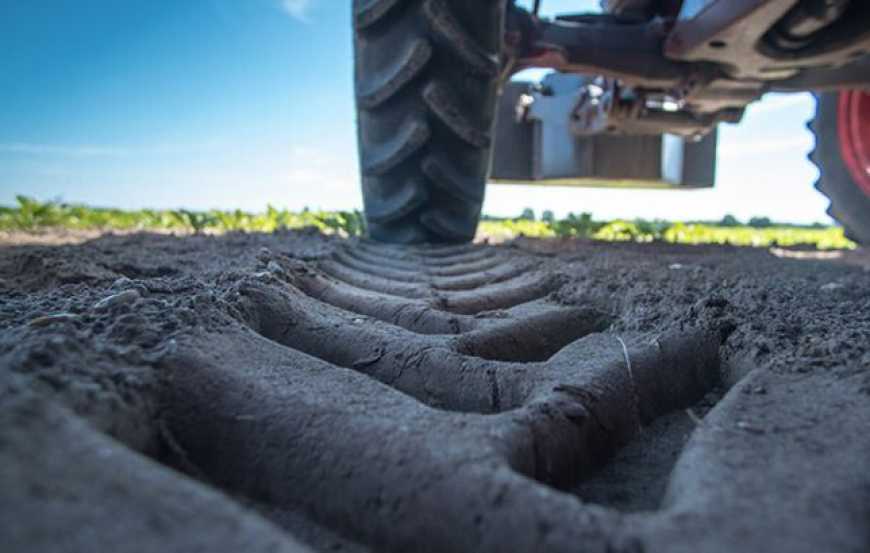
[(297, 9)]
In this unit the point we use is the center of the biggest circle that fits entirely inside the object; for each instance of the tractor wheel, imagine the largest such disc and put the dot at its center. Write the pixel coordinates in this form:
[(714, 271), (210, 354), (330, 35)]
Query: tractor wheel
[(426, 74), (842, 154)]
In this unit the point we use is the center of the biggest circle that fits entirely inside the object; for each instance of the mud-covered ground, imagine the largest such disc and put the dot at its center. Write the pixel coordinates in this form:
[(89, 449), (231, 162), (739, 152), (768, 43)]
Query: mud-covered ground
[(295, 392)]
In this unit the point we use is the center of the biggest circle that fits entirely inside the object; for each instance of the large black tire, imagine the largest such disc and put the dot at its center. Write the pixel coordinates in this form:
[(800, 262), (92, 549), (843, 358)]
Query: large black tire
[(850, 206), (426, 75)]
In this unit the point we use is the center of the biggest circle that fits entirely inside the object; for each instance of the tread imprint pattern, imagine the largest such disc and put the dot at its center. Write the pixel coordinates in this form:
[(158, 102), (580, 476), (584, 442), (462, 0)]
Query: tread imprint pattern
[(438, 379)]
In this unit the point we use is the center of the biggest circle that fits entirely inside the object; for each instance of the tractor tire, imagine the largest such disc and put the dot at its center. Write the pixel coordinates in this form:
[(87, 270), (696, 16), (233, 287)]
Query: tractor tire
[(843, 177), (426, 79)]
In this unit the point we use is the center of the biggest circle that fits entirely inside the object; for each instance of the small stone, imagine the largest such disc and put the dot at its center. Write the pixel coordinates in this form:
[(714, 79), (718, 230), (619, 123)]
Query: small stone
[(831, 286), (273, 267), (52, 319), (675, 266), (121, 298), (743, 425), (122, 282), (264, 255), (105, 452)]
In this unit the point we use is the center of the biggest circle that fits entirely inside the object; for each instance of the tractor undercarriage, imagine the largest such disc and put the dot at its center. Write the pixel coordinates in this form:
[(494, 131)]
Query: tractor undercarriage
[(682, 68), (639, 89)]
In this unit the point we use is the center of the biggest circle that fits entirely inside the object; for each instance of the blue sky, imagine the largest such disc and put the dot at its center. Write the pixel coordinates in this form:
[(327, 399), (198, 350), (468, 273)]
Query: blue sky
[(240, 103)]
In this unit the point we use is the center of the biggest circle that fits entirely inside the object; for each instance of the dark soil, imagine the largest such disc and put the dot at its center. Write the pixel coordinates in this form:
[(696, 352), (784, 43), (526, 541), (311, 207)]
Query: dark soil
[(296, 392)]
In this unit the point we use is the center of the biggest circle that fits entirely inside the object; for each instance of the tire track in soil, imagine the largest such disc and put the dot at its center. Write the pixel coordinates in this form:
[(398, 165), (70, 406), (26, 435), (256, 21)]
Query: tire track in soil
[(381, 385), (453, 398)]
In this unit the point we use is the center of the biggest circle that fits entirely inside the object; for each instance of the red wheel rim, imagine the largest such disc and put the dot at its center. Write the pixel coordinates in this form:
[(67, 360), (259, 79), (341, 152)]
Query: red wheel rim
[(853, 126)]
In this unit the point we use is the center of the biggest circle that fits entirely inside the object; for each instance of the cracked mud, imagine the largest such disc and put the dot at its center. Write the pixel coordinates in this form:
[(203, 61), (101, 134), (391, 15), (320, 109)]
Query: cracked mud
[(297, 392)]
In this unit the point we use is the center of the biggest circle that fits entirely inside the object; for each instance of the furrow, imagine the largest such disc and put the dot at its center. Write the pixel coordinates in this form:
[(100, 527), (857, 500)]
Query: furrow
[(445, 249), (563, 417), (416, 253), (363, 254), (437, 263), (335, 444), (532, 338), (372, 282), (425, 367), (450, 259), (470, 281), (460, 269), (502, 295), (414, 315), (364, 426), (417, 315), (462, 281), (380, 271), (443, 371)]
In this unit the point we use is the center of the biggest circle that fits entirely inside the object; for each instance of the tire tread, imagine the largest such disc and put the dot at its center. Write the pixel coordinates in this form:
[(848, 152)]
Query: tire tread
[(425, 114), (848, 204)]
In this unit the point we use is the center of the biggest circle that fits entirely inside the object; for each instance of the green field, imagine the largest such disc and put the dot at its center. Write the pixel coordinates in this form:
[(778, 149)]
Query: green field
[(32, 215)]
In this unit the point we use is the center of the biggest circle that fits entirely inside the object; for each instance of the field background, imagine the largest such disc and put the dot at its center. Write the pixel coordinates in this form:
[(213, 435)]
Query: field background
[(34, 216)]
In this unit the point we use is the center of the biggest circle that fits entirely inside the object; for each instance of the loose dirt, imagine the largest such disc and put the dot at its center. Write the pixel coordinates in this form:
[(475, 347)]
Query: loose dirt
[(298, 392)]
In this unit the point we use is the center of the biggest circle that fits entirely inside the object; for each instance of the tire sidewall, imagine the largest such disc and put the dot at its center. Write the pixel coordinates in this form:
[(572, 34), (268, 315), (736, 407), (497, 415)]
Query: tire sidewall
[(849, 204)]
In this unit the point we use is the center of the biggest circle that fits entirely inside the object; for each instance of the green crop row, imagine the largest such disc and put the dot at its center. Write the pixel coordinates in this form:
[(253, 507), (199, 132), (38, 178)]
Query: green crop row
[(678, 233), (31, 215)]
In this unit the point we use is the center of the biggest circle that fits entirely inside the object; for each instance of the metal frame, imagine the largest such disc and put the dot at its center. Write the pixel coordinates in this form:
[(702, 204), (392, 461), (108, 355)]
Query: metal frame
[(656, 83), (733, 34), (536, 143), (711, 58)]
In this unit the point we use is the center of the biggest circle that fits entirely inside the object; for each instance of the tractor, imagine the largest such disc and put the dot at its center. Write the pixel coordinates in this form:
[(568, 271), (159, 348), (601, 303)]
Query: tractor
[(634, 99)]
